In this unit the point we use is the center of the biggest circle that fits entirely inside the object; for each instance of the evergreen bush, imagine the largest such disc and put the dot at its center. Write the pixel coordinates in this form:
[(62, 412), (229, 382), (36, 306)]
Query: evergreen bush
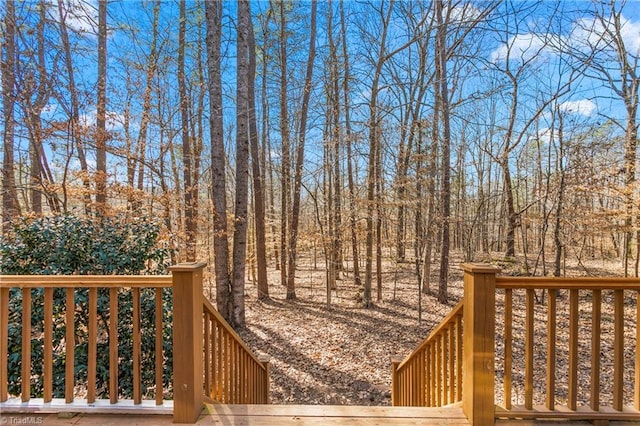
[(71, 245)]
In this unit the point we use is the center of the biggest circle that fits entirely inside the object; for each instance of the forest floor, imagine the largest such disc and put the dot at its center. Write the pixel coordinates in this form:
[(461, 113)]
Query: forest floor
[(340, 354)]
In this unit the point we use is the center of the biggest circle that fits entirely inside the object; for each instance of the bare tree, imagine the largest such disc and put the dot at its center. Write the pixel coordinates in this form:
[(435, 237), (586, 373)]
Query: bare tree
[(603, 48), (213, 12), (348, 142), (285, 144), (442, 90), (101, 111), (258, 181), (242, 163), (10, 206), (374, 147), (297, 184), (73, 109)]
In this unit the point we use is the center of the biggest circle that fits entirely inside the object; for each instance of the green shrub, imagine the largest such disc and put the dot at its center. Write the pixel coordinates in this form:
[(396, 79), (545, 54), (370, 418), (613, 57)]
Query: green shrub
[(66, 245)]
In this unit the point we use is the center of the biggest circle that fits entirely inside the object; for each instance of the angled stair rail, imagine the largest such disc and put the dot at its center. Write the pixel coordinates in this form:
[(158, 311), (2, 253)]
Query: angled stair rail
[(435, 367), (600, 308)]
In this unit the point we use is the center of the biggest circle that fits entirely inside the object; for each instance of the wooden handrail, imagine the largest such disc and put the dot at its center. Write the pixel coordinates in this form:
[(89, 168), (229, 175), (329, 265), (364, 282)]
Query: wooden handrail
[(567, 283), (432, 374), (85, 281)]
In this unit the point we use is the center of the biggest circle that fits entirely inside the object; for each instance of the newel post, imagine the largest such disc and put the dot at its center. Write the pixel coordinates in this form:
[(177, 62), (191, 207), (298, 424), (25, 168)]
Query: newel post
[(187, 342), (478, 396)]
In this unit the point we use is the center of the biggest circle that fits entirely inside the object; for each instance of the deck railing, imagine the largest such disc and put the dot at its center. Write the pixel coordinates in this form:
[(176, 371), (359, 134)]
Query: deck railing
[(435, 367), (201, 338), (543, 355), (73, 288), (586, 338)]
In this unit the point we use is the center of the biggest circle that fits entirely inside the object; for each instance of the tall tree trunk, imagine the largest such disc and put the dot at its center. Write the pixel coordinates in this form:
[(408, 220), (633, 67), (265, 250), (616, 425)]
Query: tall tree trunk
[(302, 131), (74, 109), (335, 138), (559, 206), (10, 206), (347, 135), (101, 114), (213, 13), (258, 182), (286, 150), (441, 70), (374, 146), (189, 214), (242, 164), (152, 65), (431, 193)]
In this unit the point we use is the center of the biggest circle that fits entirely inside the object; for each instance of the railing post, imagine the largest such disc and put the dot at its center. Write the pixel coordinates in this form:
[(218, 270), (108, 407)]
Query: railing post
[(187, 342), (395, 392), (265, 360), (478, 399)]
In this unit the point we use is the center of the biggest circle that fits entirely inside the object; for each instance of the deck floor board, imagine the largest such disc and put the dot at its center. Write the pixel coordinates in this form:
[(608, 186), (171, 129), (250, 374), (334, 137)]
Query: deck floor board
[(219, 414)]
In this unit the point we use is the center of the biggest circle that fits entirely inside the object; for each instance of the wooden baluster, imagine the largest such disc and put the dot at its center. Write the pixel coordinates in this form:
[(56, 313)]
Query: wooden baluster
[(618, 350), (434, 374), (573, 349), (439, 370), (243, 372), (225, 364), (238, 367), (416, 382), (427, 373), (215, 348), (222, 353), (528, 351), (508, 346), (159, 361), (636, 393), (113, 345), (207, 353), (459, 358), (137, 392), (451, 351), (48, 345), (422, 379), (443, 368), (92, 345), (70, 344), (4, 343), (595, 349), (233, 369), (250, 381), (26, 345), (551, 349)]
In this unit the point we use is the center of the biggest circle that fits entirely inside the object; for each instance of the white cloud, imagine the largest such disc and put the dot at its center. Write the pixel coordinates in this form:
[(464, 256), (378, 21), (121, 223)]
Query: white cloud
[(590, 32), (81, 15), (584, 107), (115, 120), (520, 47)]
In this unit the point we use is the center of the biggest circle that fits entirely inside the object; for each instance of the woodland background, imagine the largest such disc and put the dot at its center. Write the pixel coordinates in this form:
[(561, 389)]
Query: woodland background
[(353, 133)]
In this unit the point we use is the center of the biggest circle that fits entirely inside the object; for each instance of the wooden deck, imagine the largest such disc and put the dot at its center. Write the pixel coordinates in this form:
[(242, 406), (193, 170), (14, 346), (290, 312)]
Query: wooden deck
[(219, 414)]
